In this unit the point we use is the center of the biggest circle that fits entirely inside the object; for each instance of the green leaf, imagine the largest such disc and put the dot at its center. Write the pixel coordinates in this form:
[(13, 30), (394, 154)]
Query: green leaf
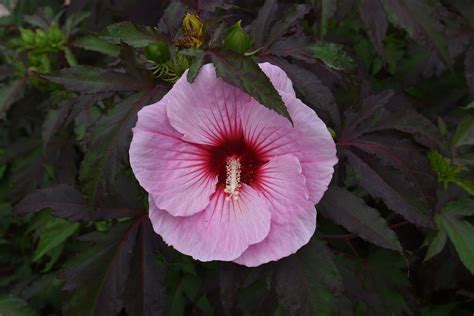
[(436, 245), (464, 134), (309, 282), (459, 230), (90, 80), (244, 73), (466, 184), (198, 60), (130, 33), (54, 234), (348, 210), (11, 305), (445, 170), (96, 44), (10, 93), (333, 55)]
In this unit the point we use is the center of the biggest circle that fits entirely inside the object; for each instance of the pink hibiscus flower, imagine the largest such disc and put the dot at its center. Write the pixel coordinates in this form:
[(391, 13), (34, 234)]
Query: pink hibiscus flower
[(229, 179)]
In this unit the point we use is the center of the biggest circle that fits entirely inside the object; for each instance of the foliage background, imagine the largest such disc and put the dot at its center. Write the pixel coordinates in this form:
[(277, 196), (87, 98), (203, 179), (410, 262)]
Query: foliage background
[(392, 79)]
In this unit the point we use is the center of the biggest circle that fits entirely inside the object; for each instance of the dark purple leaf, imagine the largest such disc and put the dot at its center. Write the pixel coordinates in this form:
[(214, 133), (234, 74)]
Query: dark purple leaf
[(144, 292), (171, 19), (350, 211), (419, 20), (292, 15), (292, 46), (90, 80), (469, 69), (10, 93), (309, 282), (65, 202), (133, 34), (134, 67), (381, 184), (261, 25), (107, 148), (55, 120), (375, 21), (99, 274), (244, 73)]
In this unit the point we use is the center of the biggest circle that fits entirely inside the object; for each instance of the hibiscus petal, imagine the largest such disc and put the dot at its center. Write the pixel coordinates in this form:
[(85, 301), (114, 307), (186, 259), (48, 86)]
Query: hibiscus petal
[(278, 77), (283, 186), (205, 112), (222, 232), (309, 140), (168, 168)]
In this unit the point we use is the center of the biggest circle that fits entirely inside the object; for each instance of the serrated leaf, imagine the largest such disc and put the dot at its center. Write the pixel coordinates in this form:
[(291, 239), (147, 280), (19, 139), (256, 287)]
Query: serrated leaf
[(54, 120), (108, 146), (244, 73), (134, 67), (375, 21), (464, 134), (172, 19), (65, 201), (378, 282), (309, 282), (11, 305), (99, 274), (198, 60), (417, 18), (459, 230), (52, 235), (133, 34), (10, 93), (437, 244), (90, 80), (380, 185), (348, 210), (145, 292), (96, 44), (261, 25), (333, 55), (294, 14)]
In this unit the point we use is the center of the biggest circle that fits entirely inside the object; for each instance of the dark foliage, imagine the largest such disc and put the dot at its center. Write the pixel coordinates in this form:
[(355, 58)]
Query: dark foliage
[(392, 79)]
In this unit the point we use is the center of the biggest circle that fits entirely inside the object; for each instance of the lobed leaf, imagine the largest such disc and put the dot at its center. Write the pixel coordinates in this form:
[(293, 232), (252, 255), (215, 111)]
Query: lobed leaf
[(133, 34), (459, 230), (65, 201), (375, 22), (348, 210), (244, 73), (90, 80), (309, 282)]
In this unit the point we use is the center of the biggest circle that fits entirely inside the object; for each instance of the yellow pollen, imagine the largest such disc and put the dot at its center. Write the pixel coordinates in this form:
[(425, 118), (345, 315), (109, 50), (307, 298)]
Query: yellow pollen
[(232, 181)]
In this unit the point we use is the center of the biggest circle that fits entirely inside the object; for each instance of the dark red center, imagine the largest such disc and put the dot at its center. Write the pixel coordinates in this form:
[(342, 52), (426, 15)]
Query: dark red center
[(250, 160)]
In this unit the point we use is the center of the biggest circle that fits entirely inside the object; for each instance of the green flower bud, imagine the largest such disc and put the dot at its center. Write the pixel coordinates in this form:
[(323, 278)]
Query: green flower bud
[(157, 52), (237, 39)]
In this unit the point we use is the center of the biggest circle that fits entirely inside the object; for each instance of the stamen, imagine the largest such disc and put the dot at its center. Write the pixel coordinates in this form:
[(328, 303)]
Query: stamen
[(232, 181)]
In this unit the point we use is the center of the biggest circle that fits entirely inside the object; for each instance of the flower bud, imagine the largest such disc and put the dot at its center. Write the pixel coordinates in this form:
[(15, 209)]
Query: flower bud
[(237, 39), (193, 32), (157, 52)]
